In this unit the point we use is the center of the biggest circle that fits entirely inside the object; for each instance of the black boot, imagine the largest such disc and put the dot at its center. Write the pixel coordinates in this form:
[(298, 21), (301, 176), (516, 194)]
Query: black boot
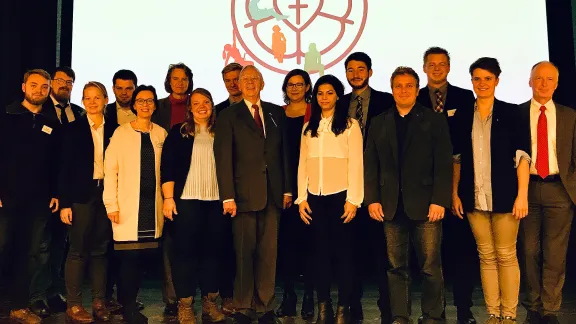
[(325, 313), (356, 313), (342, 315), (132, 315), (288, 305), (307, 311)]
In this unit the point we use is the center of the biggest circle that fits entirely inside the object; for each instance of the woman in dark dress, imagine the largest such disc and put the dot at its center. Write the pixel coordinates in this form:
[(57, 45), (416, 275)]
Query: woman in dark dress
[(294, 235), (132, 197)]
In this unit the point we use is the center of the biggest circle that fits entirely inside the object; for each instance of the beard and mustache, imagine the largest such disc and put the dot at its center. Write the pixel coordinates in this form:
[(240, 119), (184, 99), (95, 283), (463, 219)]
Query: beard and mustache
[(62, 95), (364, 83), (35, 100)]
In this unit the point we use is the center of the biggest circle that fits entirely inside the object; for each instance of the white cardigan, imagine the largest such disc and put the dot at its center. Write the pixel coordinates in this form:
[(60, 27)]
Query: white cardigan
[(122, 180)]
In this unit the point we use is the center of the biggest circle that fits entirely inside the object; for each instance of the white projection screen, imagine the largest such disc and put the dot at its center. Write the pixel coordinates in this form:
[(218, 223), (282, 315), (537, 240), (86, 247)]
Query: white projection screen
[(146, 36)]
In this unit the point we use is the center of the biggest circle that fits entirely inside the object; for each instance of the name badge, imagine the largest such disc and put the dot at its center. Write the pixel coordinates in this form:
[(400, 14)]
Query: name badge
[(47, 130), (451, 112)]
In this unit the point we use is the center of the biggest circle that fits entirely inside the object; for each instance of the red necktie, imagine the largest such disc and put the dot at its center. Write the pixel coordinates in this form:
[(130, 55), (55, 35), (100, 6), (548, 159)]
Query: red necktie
[(542, 166), (257, 118)]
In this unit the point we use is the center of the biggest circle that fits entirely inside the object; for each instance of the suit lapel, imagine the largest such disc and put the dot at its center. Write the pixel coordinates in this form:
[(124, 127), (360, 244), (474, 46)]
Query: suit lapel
[(561, 142), (412, 126), (390, 127), (269, 121), (425, 97), (245, 115)]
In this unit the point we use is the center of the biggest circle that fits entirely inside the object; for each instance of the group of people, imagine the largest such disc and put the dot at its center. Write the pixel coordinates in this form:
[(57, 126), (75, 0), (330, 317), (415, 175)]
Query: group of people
[(214, 193)]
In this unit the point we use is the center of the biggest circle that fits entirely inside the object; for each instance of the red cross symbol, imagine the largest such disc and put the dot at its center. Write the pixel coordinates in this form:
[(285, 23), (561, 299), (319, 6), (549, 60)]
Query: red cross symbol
[(298, 6)]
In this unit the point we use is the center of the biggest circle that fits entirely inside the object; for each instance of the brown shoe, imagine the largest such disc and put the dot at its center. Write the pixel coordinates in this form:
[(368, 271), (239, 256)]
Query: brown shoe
[(186, 311), (210, 311), (99, 310), (112, 305), (24, 316), (227, 307), (77, 314)]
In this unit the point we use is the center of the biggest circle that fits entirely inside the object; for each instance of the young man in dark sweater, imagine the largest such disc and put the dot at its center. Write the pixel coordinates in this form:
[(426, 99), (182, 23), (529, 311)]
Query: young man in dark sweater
[(29, 146)]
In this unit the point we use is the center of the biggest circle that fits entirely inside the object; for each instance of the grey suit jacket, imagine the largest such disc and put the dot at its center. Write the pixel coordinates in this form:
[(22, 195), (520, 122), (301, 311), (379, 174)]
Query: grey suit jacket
[(565, 144), (246, 160), (163, 113)]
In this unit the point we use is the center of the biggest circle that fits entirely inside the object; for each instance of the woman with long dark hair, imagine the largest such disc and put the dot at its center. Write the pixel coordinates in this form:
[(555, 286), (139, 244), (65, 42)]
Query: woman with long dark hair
[(294, 236), (330, 189)]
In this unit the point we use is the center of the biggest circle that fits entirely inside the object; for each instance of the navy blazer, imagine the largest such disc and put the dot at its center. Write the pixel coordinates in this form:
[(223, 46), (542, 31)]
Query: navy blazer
[(176, 159)]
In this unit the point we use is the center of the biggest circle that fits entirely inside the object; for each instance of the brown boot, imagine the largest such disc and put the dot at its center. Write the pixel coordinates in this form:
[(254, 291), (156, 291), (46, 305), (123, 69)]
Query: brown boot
[(24, 316), (99, 310), (210, 312), (227, 307), (186, 311), (77, 314)]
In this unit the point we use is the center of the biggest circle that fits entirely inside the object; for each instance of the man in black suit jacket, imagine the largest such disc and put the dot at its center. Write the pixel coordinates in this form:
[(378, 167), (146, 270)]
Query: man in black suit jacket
[(230, 75), (254, 184), (124, 82), (551, 195), (459, 249), (365, 104), (408, 181), (58, 104)]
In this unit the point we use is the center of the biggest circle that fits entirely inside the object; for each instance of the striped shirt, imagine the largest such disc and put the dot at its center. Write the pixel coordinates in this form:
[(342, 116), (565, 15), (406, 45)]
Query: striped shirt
[(201, 183)]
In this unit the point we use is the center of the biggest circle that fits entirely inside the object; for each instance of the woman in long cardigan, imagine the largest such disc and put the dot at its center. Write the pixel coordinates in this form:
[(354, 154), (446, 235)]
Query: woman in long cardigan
[(132, 196)]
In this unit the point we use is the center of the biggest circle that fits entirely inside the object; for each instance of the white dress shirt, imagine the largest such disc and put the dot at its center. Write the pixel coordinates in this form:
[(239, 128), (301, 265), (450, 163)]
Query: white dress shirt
[(261, 113), (98, 139), (330, 164), (551, 122), (67, 110), (124, 115)]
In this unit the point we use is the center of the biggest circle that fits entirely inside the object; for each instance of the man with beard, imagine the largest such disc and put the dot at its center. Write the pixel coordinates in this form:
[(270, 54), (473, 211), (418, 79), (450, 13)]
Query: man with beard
[(124, 82), (29, 142), (365, 104), (230, 75), (62, 83)]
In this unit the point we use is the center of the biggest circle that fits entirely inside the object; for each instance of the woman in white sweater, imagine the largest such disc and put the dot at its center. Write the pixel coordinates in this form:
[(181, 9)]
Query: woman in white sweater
[(132, 196)]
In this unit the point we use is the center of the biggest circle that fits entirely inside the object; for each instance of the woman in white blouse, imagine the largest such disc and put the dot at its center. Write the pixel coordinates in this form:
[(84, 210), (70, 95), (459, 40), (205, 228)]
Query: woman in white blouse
[(330, 189), (192, 203)]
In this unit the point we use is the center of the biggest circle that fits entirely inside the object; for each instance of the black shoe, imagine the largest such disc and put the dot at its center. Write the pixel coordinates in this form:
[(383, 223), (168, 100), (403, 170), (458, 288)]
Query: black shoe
[(533, 317), (171, 309), (465, 317), (307, 311), (342, 315), (238, 318), (402, 320), (134, 317), (325, 313), (288, 305), (420, 319), (40, 308), (139, 305), (356, 313), (269, 318), (57, 304), (549, 319)]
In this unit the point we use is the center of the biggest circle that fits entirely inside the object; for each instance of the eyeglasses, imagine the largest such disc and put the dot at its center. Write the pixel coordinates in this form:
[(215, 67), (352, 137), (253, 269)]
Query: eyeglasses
[(298, 86), (145, 101), (62, 81), (253, 79)]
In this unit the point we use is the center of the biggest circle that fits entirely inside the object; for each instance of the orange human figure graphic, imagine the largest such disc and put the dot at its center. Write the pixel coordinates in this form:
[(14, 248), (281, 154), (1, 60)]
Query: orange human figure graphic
[(278, 44), (231, 51)]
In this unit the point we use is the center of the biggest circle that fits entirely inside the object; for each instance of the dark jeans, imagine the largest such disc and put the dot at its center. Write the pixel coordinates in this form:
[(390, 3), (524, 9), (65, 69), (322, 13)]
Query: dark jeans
[(332, 242), (427, 238), (89, 236), (133, 264), (48, 281), (294, 251), (168, 292), (197, 233), (544, 237), (22, 225)]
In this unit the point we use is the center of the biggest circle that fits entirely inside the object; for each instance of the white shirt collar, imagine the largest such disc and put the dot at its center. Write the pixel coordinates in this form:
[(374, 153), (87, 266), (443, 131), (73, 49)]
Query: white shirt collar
[(249, 104), (91, 123), (56, 103), (535, 105)]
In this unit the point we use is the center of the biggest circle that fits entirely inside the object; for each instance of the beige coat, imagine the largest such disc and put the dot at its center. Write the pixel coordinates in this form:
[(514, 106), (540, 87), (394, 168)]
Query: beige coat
[(122, 180)]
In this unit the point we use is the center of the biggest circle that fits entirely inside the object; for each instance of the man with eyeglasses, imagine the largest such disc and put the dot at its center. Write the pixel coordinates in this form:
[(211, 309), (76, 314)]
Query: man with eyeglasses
[(230, 75), (59, 103), (365, 104)]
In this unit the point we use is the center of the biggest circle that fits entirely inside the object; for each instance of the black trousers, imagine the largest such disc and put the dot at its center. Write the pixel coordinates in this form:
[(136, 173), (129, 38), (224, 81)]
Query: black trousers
[(133, 264), (228, 269), (332, 242), (544, 237), (22, 225), (255, 242), (89, 236), (294, 253), (197, 251)]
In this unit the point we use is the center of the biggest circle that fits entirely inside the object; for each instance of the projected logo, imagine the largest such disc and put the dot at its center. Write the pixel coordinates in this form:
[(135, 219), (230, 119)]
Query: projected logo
[(281, 35)]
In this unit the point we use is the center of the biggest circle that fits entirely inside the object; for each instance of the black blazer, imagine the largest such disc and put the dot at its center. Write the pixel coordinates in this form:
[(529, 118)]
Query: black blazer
[(176, 159), (565, 143), (456, 98), (507, 135), (163, 114), (379, 103), (221, 106), (426, 170), (111, 114), (77, 161), (246, 160), (49, 107)]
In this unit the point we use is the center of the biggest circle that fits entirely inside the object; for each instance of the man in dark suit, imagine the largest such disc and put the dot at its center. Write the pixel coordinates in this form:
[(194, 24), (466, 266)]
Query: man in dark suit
[(365, 104), (124, 82), (254, 184), (551, 195), (172, 109), (408, 181), (230, 75), (58, 104), (459, 249)]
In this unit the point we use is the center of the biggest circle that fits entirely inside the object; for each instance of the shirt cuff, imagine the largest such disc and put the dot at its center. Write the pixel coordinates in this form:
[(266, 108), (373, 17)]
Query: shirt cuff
[(457, 158), (301, 199), (521, 155), (288, 194), (227, 200), (354, 203)]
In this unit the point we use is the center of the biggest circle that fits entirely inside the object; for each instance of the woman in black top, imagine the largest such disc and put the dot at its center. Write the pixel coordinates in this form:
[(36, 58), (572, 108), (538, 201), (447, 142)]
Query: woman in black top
[(80, 186), (293, 234)]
